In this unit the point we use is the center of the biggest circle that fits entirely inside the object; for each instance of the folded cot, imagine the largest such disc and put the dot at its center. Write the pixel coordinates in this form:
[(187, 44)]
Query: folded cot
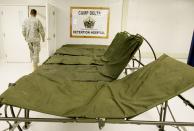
[(80, 83)]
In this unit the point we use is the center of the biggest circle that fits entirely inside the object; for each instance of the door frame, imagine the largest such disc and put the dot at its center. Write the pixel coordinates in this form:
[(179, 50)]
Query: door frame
[(47, 25)]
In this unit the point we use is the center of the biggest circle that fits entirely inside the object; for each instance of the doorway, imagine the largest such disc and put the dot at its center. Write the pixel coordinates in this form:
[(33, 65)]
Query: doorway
[(13, 47), (41, 15)]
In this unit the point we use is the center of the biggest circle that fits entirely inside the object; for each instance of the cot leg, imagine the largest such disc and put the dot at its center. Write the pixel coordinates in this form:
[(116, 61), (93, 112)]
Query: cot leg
[(26, 115), (101, 123), (163, 115), (16, 124), (126, 71)]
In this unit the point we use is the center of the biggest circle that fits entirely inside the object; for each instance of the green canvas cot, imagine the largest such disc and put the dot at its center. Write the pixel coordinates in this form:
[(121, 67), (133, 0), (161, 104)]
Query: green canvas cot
[(127, 97), (89, 87)]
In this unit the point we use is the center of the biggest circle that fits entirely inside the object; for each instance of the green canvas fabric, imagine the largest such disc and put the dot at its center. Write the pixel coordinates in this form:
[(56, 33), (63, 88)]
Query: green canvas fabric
[(113, 59), (119, 53), (59, 73), (82, 50), (93, 55), (74, 60), (115, 46), (134, 94)]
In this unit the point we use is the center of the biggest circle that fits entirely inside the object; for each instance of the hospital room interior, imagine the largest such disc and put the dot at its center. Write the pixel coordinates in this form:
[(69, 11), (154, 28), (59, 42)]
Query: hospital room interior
[(103, 65)]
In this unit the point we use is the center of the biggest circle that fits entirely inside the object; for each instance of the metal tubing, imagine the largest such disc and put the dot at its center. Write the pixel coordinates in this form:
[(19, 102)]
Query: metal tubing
[(187, 102), (87, 120), (139, 57), (26, 115), (165, 110), (170, 111), (149, 46), (161, 112), (163, 115), (139, 62), (6, 116), (126, 71), (1, 105), (13, 115), (133, 63)]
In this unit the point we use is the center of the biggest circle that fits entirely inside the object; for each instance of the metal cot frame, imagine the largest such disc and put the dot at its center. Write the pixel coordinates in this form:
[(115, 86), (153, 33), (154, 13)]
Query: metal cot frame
[(161, 123)]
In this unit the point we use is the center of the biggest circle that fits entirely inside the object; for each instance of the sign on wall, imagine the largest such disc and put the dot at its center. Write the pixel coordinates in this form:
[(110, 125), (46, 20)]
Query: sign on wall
[(89, 22)]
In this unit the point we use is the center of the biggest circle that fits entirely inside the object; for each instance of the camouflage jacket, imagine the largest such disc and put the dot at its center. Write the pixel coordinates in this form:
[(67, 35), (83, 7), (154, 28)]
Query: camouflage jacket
[(32, 30)]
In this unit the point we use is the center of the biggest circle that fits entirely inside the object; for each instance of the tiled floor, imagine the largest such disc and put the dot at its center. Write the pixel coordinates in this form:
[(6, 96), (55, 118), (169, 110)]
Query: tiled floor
[(9, 73)]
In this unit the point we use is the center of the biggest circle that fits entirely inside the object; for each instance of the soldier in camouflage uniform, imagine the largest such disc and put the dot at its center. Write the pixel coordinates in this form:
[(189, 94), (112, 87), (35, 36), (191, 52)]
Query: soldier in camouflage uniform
[(33, 31)]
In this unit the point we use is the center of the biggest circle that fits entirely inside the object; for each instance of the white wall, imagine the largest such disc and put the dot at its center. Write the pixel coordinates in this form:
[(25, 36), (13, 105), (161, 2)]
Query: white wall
[(63, 20), (22, 2), (1, 41), (41, 12), (167, 24)]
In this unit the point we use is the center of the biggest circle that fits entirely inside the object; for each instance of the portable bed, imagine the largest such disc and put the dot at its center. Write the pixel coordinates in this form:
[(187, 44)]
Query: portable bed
[(80, 83)]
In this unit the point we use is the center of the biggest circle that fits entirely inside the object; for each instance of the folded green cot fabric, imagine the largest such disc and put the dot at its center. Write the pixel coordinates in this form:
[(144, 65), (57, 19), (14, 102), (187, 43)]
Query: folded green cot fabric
[(115, 46), (119, 53), (134, 94), (87, 73), (75, 60), (75, 65), (82, 54), (121, 49), (112, 61), (82, 50)]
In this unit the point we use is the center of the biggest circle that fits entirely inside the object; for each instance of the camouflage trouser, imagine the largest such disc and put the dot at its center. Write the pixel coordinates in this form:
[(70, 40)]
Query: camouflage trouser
[(34, 51)]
